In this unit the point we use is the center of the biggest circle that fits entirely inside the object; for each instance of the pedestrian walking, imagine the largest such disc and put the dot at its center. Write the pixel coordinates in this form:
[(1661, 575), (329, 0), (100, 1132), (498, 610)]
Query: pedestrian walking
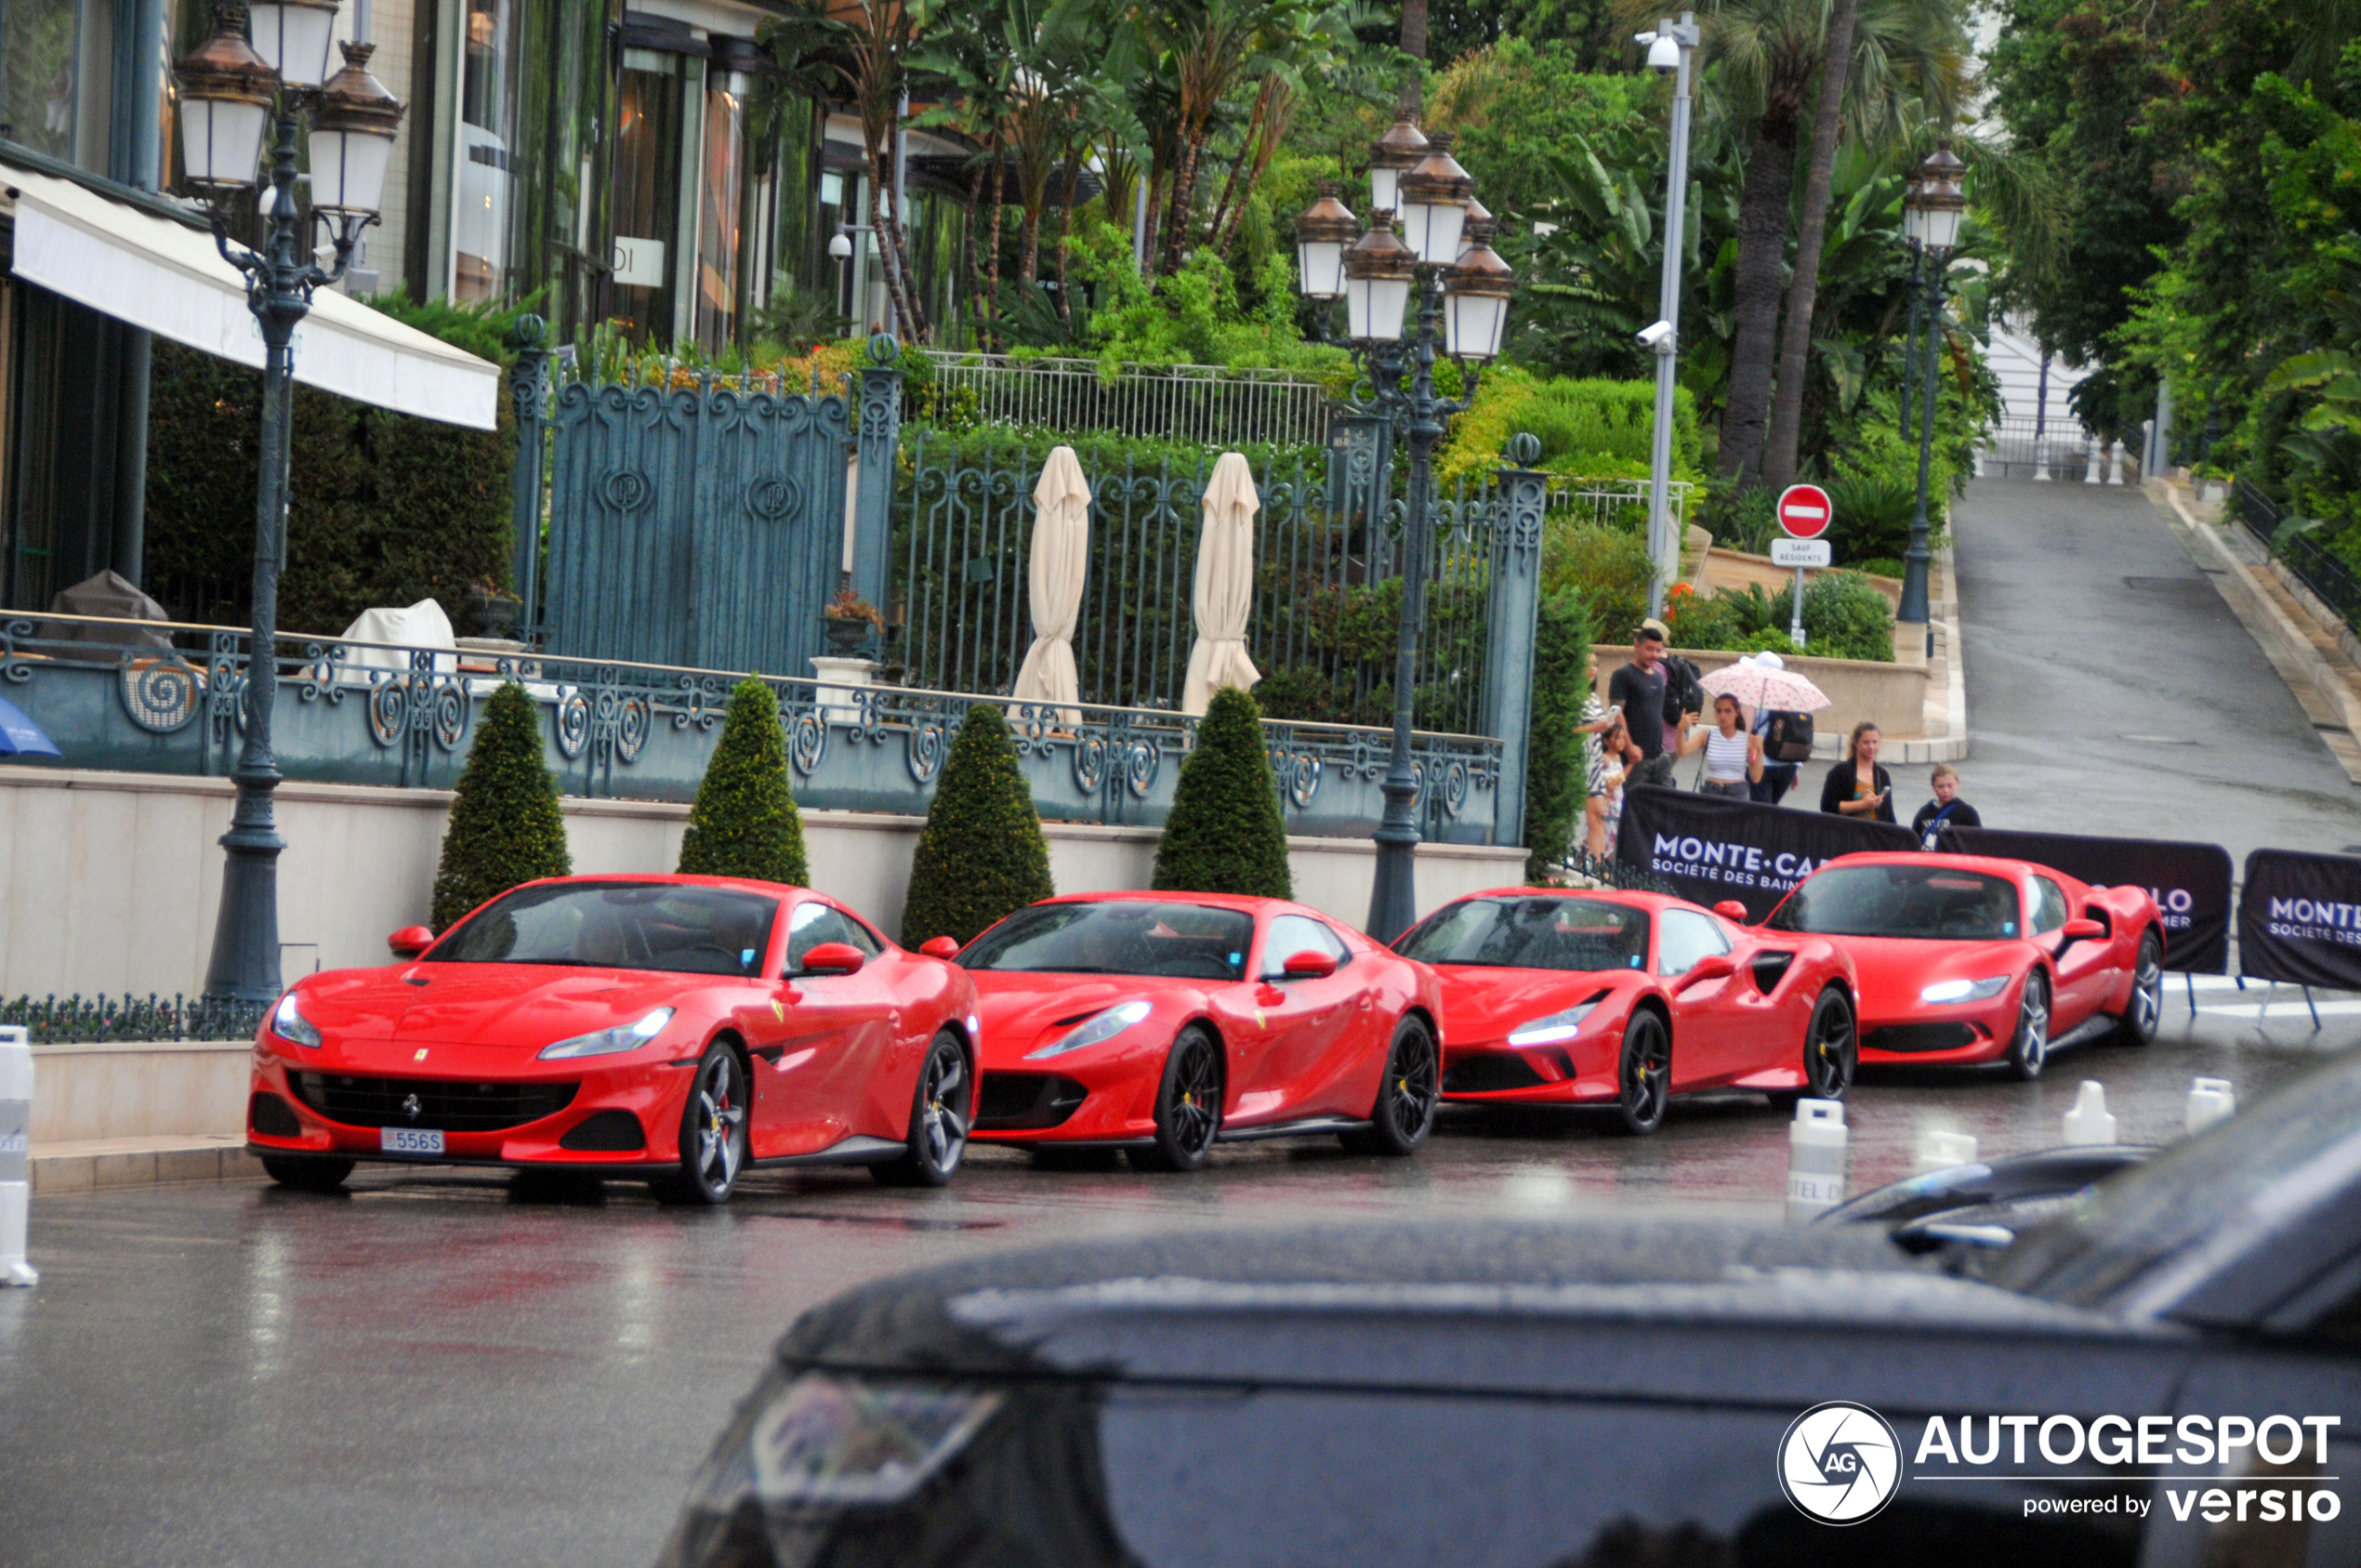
[(1639, 689), (1858, 787), (1946, 807), (1733, 756), (1776, 778)]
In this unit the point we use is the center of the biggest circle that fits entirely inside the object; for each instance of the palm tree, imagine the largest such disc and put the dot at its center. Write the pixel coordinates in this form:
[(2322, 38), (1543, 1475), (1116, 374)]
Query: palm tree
[(1763, 55)]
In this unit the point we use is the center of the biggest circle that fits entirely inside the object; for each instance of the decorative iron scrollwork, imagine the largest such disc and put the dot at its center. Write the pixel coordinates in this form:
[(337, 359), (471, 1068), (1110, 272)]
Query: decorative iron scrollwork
[(161, 695), (625, 490), (774, 497)]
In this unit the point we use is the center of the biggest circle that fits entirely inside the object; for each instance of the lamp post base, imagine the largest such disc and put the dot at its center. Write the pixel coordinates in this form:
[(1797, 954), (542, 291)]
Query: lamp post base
[(1394, 896), (244, 967)]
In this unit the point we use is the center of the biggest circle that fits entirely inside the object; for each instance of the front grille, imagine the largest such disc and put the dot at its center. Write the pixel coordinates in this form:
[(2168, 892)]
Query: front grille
[(1491, 1071), (1920, 1037), (608, 1132), (271, 1117), (442, 1103), (1021, 1101)]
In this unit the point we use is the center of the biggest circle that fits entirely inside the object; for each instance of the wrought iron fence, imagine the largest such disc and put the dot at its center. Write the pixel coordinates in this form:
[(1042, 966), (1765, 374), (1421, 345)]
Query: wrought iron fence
[(1208, 404), (79, 1019), (160, 697), (2021, 444), (1327, 592), (2257, 511)]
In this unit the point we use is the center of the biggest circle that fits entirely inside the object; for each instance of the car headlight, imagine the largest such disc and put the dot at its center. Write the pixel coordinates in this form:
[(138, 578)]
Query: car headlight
[(1944, 990), (288, 1022), (1548, 1029), (828, 1440), (607, 1042), (1093, 1031)]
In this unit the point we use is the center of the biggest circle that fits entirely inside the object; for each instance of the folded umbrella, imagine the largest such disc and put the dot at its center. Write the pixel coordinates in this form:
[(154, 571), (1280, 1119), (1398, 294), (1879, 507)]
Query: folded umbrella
[(1760, 686), (21, 736)]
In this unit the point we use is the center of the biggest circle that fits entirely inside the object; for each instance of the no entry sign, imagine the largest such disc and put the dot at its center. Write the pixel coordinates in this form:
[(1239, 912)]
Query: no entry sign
[(1804, 512)]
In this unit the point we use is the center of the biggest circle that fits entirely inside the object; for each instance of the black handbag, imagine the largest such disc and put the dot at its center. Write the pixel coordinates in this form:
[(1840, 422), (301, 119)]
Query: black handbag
[(1787, 737)]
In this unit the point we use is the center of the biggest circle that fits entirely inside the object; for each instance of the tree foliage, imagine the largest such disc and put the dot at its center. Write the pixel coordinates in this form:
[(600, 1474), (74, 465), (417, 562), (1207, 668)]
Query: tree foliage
[(505, 828), (1554, 786), (1224, 833), (745, 823), (982, 855)]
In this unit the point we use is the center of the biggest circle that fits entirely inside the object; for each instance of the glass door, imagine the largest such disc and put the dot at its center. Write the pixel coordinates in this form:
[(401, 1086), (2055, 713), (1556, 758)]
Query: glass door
[(720, 209), (648, 101)]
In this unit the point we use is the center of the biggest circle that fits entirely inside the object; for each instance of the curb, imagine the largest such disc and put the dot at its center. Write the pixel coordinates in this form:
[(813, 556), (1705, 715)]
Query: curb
[(99, 1163)]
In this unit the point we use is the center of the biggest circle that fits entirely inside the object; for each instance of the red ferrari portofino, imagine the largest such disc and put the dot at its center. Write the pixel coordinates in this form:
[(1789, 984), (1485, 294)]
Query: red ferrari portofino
[(673, 1028), (1964, 958), (1628, 998), (1162, 1024)]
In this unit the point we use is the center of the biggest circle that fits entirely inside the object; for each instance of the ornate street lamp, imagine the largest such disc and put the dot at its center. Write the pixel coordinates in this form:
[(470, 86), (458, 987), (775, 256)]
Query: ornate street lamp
[(1326, 227), (230, 92), (1463, 292), (1932, 214)]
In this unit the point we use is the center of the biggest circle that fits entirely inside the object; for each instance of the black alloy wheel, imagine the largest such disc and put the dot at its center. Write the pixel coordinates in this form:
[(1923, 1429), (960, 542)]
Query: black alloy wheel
[(2138, 1026), (2029, 1046), (1188, 1105), (1408, 1097), (939, 1119), (713, 1131), (305, 1173), (1831, 1050), (1644, 1072)]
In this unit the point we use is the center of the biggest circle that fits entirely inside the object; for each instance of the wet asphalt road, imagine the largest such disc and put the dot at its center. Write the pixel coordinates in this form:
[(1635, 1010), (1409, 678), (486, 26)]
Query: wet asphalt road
[(440, 1368)]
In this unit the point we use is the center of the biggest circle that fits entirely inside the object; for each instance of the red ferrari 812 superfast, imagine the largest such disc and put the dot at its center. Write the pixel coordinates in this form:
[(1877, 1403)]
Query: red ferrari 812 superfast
[(1161, 1023), (1624, 999), (676, 1029), (1966, 958)]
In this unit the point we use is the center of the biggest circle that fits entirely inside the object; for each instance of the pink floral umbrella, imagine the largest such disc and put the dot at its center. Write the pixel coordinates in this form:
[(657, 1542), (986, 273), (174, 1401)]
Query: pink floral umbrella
[(1760, 685)]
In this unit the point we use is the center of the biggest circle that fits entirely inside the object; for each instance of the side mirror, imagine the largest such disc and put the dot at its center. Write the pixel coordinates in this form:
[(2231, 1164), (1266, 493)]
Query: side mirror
[(1717, 966), (833, 958), (945, 948), (1731, 909), (2080, 931), (410, 941), (1310, 966)]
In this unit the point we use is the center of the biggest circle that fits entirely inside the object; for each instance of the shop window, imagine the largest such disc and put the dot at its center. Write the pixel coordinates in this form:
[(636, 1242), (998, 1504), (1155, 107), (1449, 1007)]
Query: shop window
[(646, 191), (39, 41), (480, 228), (721, 209)]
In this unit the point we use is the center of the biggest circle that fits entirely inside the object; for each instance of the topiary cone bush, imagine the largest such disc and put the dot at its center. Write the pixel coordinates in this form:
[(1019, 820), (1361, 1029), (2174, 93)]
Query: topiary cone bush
[(1224, 835), (505, 828), (745, 823), (982, 855), (1554, 786)]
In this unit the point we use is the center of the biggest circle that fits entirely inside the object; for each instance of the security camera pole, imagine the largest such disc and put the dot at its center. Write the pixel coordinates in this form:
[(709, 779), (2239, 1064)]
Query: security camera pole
[(1671, 47)]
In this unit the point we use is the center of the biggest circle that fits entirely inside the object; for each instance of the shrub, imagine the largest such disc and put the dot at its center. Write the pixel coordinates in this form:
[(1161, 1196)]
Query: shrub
[(1844, 618), (745, 823), (1607, 568), (1554, 785), (1224, 835), (1594, 429), (1873, 515), (505, 828), (982, 854)]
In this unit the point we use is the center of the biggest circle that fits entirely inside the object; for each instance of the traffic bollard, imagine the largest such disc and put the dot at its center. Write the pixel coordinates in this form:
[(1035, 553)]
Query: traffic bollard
[(2089, 1122), (2210, 1100), (16, 1143), (1941, 1151), (2091, 463), (1815, 1159)]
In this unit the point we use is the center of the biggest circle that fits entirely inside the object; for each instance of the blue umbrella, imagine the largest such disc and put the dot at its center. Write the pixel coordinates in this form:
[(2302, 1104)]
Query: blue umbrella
[(21, 736)]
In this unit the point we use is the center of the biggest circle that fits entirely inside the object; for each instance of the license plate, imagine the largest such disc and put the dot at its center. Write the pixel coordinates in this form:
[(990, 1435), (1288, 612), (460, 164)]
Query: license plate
[(410, 1140)]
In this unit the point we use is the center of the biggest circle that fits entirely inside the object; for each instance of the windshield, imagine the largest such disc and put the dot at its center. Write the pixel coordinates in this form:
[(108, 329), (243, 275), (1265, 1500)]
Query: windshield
[(1532, 933), (618, 925), (1129, 937), (2276, 1163), (1932, 902)]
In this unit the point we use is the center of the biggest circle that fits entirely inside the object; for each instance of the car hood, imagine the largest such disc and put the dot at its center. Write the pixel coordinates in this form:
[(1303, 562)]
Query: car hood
[(1017, 1010), (1892, 970), (482, 1004), (1485, 1003)]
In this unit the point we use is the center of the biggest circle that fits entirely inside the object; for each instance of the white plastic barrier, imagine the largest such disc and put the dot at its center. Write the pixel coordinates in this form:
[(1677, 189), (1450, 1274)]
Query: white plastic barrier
[(16, 1145), (1815, 1159), (1941, 1151), (2089, 1122), (2210, 1100)]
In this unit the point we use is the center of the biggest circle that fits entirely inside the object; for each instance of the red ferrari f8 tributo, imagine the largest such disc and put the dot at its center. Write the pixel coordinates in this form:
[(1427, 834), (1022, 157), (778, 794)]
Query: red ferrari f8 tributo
[(678, 1029), (1162, 1024), (1965, 958), (1624, 999)]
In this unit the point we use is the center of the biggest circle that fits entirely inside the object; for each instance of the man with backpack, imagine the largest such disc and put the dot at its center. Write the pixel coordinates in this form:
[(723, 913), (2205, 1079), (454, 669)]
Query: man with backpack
[(1657, 708)]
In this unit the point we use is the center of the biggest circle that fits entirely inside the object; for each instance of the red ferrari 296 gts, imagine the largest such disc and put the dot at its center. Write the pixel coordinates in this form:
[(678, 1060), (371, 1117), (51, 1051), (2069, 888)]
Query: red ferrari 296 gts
[(1624, 999), (676, 1029), (1162, 1024), (1965, 958)]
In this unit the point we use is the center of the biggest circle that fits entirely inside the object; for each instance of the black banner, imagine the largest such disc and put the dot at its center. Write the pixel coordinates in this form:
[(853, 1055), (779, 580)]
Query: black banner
[(1713, 848), (2300, 919), (2190, 882)]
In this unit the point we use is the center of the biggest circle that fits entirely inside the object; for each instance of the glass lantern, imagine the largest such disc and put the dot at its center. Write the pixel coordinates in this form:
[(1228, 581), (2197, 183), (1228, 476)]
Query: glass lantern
[(1392, 157), (1434, 203), (353, 137), (296, 39), (1378, 272), (1326, 227), (1475, 304), (225, 106)]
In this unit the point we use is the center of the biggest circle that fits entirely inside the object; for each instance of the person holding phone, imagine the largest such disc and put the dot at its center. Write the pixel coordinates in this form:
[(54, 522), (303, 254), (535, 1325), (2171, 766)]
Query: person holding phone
[(1858, 787)]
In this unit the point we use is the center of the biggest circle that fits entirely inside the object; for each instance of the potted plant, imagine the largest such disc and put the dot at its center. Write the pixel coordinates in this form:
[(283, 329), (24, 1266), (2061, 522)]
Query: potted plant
[(850, 621), (491, 611)]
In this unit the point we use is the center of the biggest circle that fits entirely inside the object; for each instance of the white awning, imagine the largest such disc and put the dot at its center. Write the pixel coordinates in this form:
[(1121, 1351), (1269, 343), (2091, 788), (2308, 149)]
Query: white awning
[(165, 276)]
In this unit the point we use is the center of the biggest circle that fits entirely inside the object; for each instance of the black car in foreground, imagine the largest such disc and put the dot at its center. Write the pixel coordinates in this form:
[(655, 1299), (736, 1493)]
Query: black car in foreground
[(2167, 1376)]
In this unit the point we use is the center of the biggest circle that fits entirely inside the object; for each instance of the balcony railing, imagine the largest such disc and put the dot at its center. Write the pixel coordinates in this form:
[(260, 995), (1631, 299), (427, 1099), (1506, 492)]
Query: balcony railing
[(1209, 405)]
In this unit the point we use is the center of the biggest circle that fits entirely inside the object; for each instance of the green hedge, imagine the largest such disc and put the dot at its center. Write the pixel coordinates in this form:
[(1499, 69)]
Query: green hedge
[(505, 828), (982, 855), (1594, 429), (384, 508), (1224, 835), (1554, 786), (745, 823), (1844, 618)]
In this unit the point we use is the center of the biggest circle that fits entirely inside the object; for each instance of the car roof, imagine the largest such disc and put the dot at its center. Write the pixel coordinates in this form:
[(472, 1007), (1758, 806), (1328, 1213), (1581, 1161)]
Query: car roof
[(743, 884), (1637, 896), (1240, 902), (1993, 866)]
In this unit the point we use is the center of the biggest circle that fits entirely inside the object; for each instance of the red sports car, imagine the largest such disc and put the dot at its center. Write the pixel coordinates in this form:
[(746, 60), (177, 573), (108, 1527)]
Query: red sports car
[(1162, 1024), (1567, 998), (672, 1028), (1964, 958)]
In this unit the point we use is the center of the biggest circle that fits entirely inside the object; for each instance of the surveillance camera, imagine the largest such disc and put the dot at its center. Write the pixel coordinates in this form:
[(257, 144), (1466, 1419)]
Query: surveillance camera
[(1657, 335), (1664, 54)]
